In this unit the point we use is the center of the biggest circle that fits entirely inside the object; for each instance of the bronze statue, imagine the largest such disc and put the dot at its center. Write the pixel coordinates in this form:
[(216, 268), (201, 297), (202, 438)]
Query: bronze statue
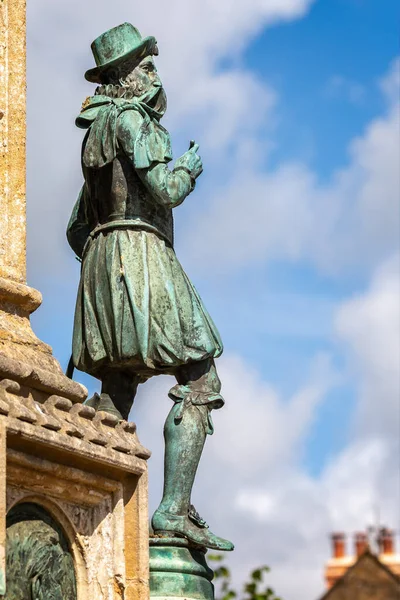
[(137, 313)]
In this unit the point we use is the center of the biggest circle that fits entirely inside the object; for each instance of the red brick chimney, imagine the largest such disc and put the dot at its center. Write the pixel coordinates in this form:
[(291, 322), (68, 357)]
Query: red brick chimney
[(386, 541), (387, 550), (337, 566), (338, 545), (360, 543)]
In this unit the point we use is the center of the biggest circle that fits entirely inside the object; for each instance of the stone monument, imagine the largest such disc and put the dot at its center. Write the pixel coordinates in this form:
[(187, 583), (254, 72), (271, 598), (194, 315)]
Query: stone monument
[(73, 481), (137, 313)]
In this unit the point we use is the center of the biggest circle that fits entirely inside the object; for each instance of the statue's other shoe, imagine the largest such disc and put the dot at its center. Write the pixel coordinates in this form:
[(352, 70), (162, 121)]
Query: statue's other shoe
[(181, 526), (93, 402), (107, 405)]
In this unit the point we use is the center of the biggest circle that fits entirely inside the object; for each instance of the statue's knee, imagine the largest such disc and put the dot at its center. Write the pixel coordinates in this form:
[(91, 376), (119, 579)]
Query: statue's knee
[(213, 379), (201, 376), (205, 417)]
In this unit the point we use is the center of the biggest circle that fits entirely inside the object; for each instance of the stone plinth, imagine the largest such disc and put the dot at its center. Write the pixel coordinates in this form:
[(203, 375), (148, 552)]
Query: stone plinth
[(179, 570), (89, 472)]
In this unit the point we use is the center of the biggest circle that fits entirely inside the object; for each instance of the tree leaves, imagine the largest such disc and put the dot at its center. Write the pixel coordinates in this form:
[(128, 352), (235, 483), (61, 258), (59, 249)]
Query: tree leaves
[(254, 589)]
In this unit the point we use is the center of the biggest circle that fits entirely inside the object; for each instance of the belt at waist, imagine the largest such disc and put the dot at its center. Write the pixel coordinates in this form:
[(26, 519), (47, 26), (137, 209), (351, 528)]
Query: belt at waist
[(122, 224)]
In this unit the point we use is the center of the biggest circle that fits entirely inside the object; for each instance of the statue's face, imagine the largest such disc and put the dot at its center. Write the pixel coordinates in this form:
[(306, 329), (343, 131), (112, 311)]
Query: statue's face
[(145, 76), (146, 84)]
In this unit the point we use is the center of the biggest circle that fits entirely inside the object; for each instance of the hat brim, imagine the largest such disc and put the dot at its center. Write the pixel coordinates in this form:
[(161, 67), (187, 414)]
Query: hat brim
[(147, 47)]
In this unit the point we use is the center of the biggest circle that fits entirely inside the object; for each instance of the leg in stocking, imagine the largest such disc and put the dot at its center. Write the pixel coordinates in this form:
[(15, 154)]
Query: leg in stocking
[(185, 433), (118, 392)]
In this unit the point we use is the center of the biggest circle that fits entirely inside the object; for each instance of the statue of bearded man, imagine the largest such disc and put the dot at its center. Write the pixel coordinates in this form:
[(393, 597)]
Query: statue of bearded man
[(137, 314)]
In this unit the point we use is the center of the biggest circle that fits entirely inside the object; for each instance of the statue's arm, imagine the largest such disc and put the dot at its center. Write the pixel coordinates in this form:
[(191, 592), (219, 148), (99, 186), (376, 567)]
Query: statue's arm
[(78, 228), (168, 187)]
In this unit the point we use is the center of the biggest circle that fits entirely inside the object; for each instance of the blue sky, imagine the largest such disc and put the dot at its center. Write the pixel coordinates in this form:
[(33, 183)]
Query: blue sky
[(353, 39), (291, 237)]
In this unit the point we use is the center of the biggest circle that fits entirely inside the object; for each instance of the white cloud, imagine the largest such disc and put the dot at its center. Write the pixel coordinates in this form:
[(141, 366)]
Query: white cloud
[(256, 217), (221, 106), (370, 325), (298, 512), (352, 221), (259, 416), (362, 483), (192, 32), (301, 512)]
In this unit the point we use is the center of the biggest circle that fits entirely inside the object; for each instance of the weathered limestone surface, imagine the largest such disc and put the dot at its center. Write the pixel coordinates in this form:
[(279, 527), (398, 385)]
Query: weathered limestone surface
[(17, 300), (12, 140), (87, 469), (36, 419), (89, 472)]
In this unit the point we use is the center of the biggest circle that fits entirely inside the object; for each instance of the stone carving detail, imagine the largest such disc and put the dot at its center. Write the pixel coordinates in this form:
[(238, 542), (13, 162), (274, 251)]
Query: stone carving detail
[(37, 378), (42, 415), (80, 517), (97, 534), (14, 495)]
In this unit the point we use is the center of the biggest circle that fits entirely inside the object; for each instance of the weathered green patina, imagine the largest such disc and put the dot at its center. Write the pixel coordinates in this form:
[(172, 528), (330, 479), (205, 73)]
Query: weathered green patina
[(178, 570), (137, 313), (39, 562)]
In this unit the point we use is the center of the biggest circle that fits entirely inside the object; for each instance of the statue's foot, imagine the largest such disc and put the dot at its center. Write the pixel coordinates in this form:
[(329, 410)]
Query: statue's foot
[(93, 402), (107, 405), (195, 531)]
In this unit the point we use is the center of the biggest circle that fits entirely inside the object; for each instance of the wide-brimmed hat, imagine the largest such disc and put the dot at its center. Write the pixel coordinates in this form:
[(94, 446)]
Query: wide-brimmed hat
[(117, 45)]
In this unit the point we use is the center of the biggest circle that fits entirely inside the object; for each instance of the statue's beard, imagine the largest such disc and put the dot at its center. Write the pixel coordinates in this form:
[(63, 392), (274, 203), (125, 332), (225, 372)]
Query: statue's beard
[(155, 97)]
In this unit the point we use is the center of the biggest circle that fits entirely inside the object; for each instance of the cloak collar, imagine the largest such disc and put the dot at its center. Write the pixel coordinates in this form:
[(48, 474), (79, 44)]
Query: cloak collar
[(100, 114)]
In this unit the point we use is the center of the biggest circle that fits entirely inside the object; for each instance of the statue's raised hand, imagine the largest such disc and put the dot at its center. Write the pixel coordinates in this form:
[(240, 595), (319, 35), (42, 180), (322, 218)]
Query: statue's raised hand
[(191, 161)]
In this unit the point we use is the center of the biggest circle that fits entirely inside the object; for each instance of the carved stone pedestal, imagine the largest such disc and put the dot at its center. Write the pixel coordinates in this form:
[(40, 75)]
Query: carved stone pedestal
[(178, 571), (88, 474)]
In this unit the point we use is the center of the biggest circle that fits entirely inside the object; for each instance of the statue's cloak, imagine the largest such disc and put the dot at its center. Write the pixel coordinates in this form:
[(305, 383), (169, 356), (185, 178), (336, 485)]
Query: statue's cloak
[(136, 308)]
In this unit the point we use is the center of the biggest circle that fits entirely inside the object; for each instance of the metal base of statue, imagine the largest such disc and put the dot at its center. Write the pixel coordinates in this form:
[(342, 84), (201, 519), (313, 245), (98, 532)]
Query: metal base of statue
[(179, 570)]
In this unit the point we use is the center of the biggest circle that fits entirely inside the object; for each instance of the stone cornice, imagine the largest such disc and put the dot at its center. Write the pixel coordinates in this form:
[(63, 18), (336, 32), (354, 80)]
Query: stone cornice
[(55, 424)]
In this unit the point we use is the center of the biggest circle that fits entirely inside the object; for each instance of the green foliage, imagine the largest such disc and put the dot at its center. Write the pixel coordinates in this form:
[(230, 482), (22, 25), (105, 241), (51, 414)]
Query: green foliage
[(254, 589)]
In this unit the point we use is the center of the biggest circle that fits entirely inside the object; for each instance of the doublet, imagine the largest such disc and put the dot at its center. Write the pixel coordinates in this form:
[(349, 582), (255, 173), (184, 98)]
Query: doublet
[(136, 310), (116, 193)]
